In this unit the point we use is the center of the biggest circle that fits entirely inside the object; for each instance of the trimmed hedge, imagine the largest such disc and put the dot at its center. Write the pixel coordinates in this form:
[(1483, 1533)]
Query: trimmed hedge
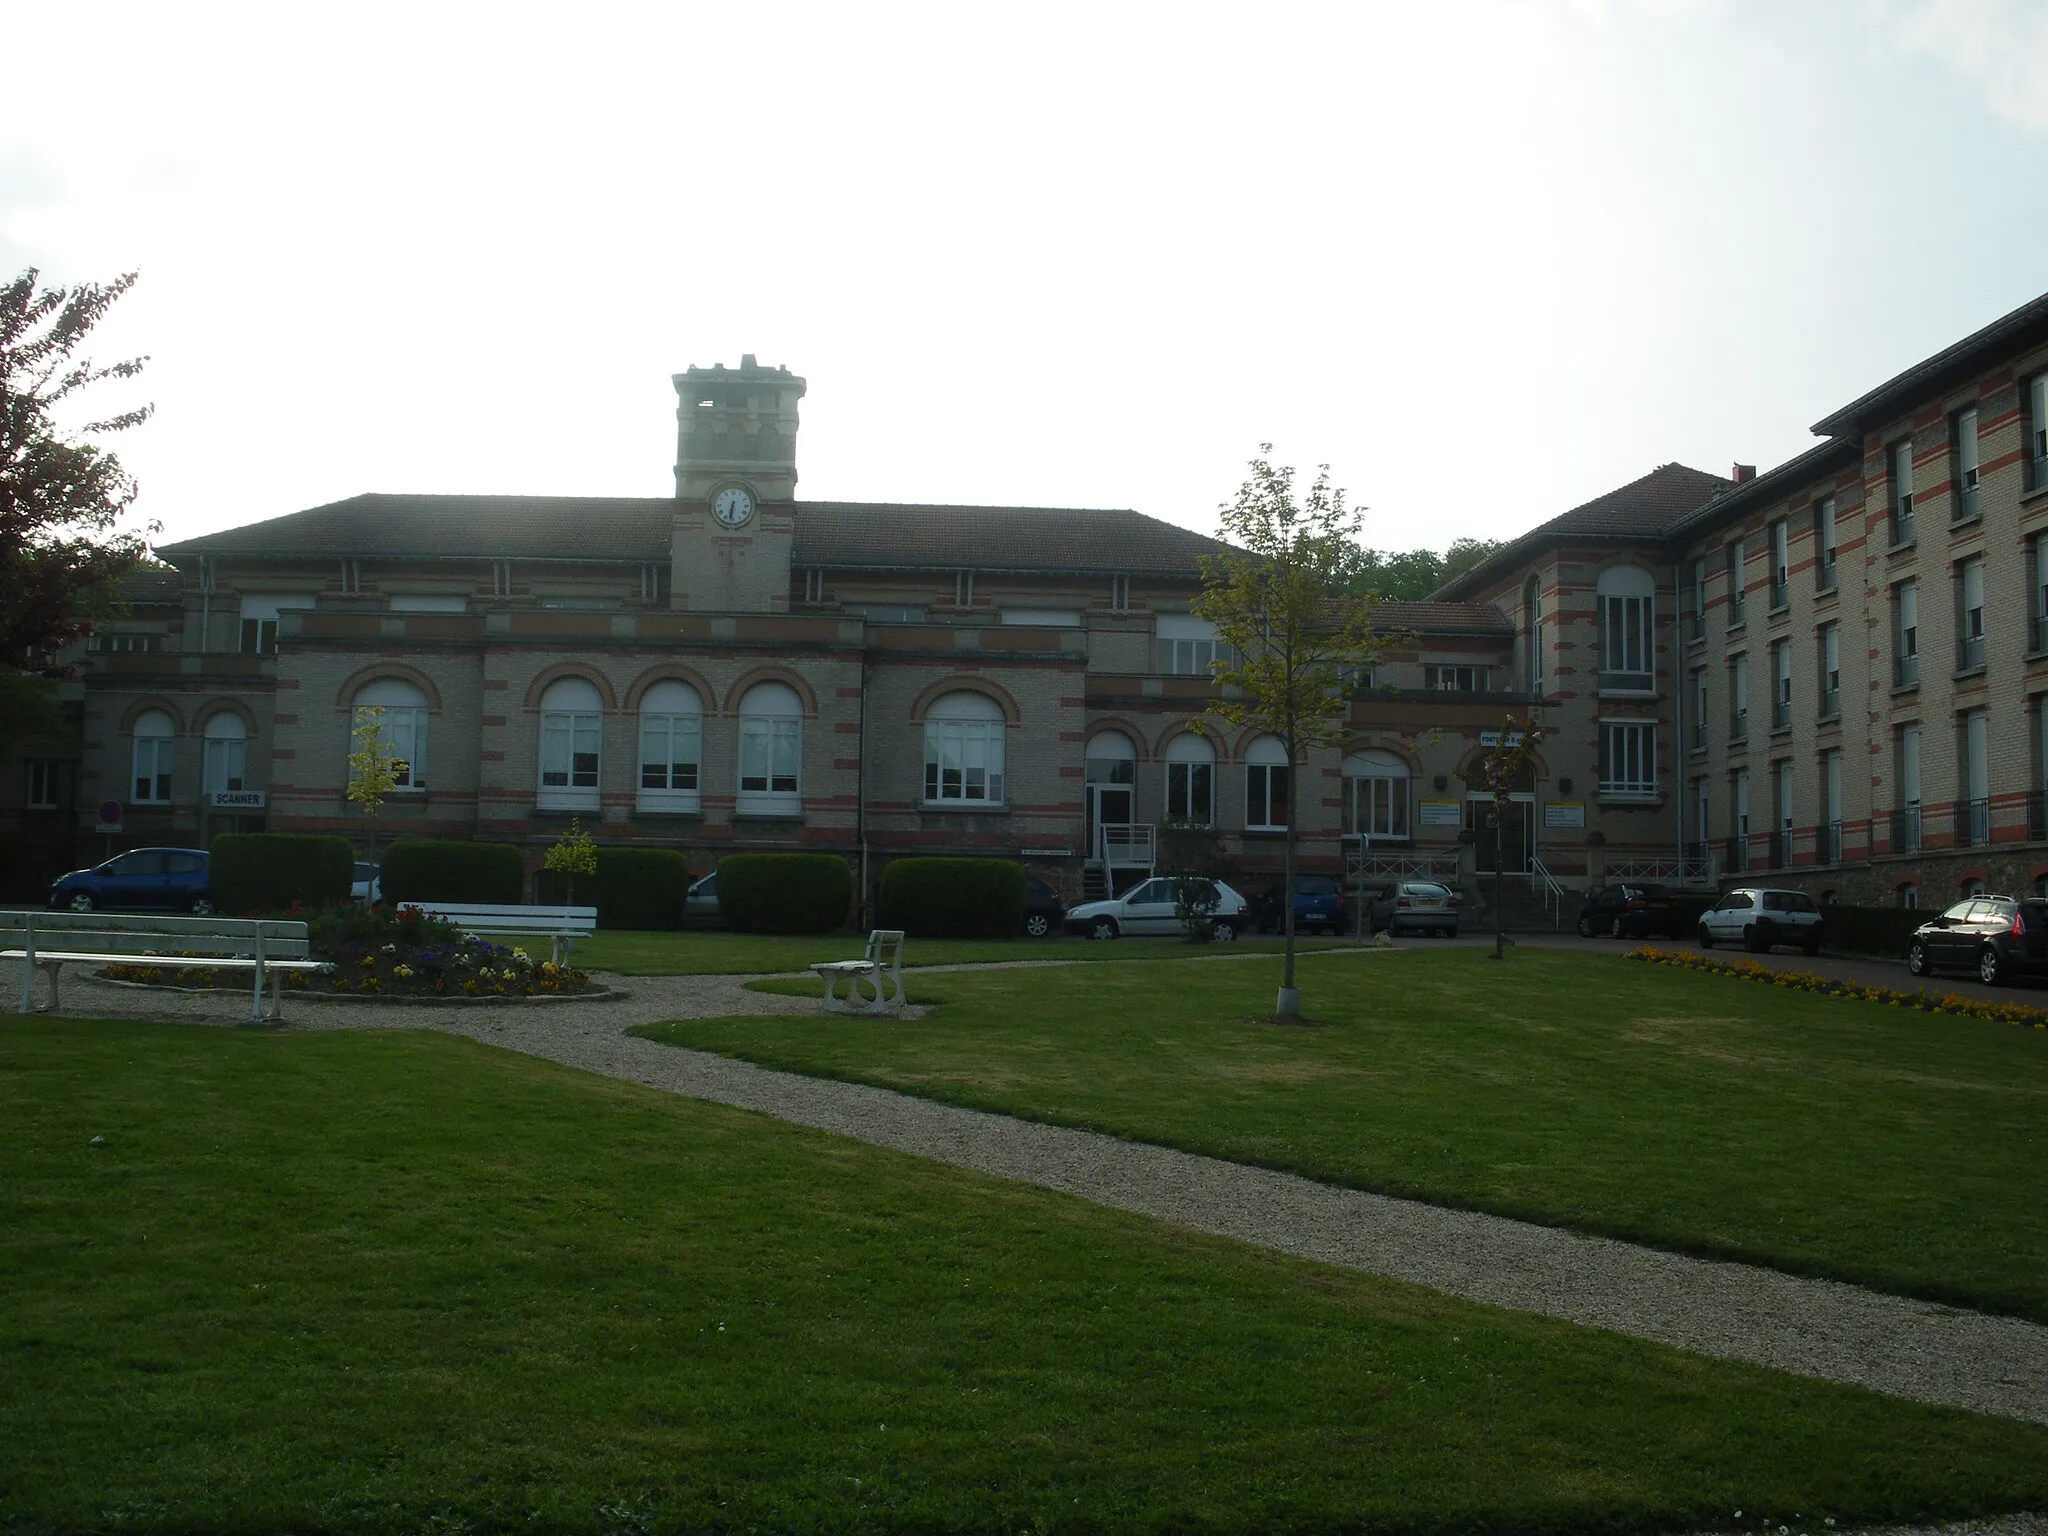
[(953, 898), (1882, 931), (427, 869), (785, 892), (637, 888), (268, 871)]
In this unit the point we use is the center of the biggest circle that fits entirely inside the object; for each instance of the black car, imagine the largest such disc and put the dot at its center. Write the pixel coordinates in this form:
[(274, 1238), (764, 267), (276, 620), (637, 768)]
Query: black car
[(1043, 908), (1998, 937), (1633, 912)]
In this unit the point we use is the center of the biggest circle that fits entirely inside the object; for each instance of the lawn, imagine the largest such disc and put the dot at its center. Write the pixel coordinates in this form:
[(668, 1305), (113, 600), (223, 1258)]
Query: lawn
[(1890, 1148), (400, 1282), (707, 953)]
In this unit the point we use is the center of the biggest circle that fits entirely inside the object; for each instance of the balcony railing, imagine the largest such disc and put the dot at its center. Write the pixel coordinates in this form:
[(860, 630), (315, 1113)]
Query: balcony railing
[(1738, 609), (1736, 856), (1830, 703), (1126, 846), (1831, 842), (1781, 591), (2037, 633), (1781, 847), (1970, 653), (1695, 628), (1966, 504), (1973, 824), (1906, 829), (1902, 522), (1738, 725), (1906, 671), (1628, 682), (1824, 574), (1781, 714)]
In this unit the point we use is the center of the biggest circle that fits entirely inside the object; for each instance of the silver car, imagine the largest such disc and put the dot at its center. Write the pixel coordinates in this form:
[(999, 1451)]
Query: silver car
[(1758, 919), (1417, 906), (1147, 908)]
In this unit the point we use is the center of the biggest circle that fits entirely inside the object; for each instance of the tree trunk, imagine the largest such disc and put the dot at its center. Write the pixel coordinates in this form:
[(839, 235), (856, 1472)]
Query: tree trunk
[(1288, 1004)]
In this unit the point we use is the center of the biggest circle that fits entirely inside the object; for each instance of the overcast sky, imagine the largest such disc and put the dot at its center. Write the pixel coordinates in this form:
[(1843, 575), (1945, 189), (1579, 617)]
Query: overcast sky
[(1487, 258)]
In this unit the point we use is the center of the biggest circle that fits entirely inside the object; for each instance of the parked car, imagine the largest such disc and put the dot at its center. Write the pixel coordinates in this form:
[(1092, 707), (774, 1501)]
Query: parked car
[(1999, 937), (1416, 906), (1147, 908), (1044, 909), (1318, 905), (700, 904), (1760, 919), (367, 883), (146, 879), (1632, 912)]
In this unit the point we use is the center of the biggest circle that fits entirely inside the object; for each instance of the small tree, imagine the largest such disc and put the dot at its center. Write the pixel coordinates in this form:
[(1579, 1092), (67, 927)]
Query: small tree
[(374, 769), (1500, 765), (1194, 851), (1295, 632), (573, 854)]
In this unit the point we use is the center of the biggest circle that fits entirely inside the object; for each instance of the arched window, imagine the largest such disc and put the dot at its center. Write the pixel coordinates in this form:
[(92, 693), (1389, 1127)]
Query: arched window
[(1191, 780), (671, 748), (1266, 774), (771, 750), (1532, 634), (1970, 887), (963, 750), (1110, 759), (571, 743), (154, 732), (1628, 629), (1376, 796), (403, 722), (226, 754)]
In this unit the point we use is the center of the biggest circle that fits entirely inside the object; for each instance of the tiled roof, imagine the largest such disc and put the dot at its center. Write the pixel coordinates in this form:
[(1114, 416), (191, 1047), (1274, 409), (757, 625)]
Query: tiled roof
[(1443, 618), (1818, 460), (2023, 327), (842, 534), (1648, 508)]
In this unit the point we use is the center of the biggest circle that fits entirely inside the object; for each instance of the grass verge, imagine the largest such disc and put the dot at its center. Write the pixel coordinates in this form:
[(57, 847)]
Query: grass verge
[(385, 1282), (1894, 1149)]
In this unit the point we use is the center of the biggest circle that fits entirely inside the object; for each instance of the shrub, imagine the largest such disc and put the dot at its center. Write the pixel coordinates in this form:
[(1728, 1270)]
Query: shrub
[(1870, 930), (952, 898), (269, 871), (784, 892), (638, 888), (424, 869)]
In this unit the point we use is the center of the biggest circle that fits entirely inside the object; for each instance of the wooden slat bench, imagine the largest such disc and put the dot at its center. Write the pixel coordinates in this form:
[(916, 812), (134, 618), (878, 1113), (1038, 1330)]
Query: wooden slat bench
[(564, 925), (49, 941), (878, 975)]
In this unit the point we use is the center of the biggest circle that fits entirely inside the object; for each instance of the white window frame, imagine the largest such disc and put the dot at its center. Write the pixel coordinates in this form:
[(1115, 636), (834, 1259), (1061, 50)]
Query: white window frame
[(670, 762), (1628, 759), (1628, 630), (964, 739), (225, 759), (1191, 780), (1455, 677), (771, 752), (42, 774), (1824, 544), (571, 767), (1900, 457), (1969, 466), (1830, 670), (1268, 779), (404, 723), (1781, 563), (1378, 798), (151, 760), (1186, 646)]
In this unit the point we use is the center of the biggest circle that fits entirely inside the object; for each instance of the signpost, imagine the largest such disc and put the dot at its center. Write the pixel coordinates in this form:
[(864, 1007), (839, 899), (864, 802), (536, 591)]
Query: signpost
[(110, 824)]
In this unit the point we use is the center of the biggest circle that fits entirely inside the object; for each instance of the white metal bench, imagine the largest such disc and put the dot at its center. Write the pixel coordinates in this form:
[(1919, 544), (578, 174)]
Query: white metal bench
[(49, 941), (564, 925), (874, 983)]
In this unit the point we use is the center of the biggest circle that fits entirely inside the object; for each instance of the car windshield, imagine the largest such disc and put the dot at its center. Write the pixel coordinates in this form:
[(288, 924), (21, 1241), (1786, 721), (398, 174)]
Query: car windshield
[(1424, 888)]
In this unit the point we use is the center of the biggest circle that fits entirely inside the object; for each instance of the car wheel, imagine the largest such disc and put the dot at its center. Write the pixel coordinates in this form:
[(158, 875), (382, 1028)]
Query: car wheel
[(1223, 932), (1038, 925), (1585, 926), (81, 901), (1102, 928), (1706, 938), (201, 907), (1989, 971), (1615, 931), (1916, 959), (1756, 939)]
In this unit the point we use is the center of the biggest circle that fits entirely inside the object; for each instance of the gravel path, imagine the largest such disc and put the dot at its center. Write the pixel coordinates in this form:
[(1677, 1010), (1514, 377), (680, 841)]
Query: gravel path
[(1815, 1328)]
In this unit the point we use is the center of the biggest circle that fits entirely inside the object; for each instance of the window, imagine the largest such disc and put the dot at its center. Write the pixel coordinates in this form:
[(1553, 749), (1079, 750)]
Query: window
[(654, 582), (1738, 819), (1265, 785), (259, 619), (2037, 592), (571, 742), (2036, 427), (1973, 819), (1628, 758), (1909, 896), (1970, 613), (43, 787), (963, 750), (1120, 593), (1186, 646), (152, 759), (225, 768), (671, 749), (1906, 772), (1043, 618), (1376, 796), (1831, 807), (1697, 628), (1963, 435), (1440, 678), (771, 750), (1906, 634), (1699, 709), (427, 602), (1532, 627), (1702, 811), (1830, 671), (1627, 641), (1781, 685), (1781, 564), (963, 589), (403, 722), (501, 578), (1900, 456), (1191, 780), (1738, 698), (1824, 544), (1737, 605), (1781, 834), (129, 641)]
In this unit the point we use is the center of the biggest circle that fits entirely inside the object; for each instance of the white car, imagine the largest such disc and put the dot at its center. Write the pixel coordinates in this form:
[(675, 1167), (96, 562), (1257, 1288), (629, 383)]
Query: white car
[(1148, 909), (367, 883), (1757, 918)]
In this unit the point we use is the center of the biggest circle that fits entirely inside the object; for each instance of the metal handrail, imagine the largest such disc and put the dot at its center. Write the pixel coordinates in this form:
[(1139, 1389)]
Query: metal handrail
[(1126, 844), (1543, 885), (1682, 871), (1406, 866)]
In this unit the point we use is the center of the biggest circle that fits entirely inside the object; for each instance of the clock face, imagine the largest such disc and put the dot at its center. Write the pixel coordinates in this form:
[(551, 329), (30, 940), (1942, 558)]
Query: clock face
[(733, 506)]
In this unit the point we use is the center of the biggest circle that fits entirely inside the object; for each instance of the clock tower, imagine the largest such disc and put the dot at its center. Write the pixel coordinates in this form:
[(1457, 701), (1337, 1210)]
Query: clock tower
[(735, 516)]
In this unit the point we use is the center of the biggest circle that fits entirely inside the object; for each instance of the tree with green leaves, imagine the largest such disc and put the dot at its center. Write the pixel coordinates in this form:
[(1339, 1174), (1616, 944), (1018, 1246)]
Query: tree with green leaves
[(64, 543), (374, 768), (1294, 633), (1410, 575), (573, 854)]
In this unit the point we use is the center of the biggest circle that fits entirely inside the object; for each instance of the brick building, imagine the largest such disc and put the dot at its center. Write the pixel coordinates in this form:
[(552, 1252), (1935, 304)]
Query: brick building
[(1735, 674)]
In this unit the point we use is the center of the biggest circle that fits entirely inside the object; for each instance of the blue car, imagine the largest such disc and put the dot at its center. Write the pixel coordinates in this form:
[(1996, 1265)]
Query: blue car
[(143, 879)]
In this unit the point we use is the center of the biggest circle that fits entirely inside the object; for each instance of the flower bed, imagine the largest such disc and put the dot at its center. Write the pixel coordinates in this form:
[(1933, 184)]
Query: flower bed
[(380, 951), (2019, 1014)]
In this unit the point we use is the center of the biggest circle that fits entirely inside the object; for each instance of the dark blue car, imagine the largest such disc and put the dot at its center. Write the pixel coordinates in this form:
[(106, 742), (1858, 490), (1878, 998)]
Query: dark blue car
[(143, 879)]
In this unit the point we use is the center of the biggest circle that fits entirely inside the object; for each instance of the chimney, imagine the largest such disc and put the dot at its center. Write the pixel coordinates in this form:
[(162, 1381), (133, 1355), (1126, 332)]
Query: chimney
[(1742, 472)]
